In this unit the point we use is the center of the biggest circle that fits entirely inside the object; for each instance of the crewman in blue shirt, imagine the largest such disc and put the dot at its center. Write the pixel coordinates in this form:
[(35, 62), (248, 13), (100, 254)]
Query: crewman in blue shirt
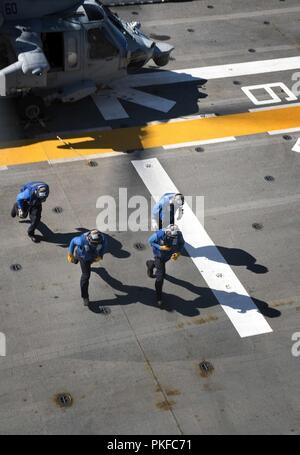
[(165, 210), (166, 244), (87, 249), (29, 202)]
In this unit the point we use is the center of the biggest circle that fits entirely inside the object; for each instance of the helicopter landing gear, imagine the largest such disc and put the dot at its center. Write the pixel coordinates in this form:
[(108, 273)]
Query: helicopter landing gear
[(31, 108)]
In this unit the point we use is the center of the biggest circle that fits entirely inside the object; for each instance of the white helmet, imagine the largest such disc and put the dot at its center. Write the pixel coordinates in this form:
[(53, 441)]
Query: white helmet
[(172, 230), (178, 199), (94, 237)]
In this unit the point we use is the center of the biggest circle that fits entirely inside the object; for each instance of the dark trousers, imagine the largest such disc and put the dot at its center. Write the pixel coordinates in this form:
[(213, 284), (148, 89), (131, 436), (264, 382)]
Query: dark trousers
[(85, 278), (35, 214), (160, 274), (166, 217)]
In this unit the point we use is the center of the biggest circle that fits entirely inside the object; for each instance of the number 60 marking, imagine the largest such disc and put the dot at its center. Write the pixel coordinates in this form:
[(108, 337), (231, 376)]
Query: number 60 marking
[(10, 8)]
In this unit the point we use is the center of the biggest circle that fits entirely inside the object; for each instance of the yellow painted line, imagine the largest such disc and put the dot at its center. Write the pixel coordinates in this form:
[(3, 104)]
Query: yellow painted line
[(150, 136)]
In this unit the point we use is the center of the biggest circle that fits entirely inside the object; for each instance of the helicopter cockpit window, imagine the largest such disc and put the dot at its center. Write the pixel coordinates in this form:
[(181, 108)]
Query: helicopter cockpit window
[(100, 46), (53, 45), (93, 12), (114, 18)]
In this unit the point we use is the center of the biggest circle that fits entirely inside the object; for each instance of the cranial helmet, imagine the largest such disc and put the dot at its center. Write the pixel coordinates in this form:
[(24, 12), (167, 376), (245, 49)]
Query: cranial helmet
[(178, 199), (172, 230), (42, 193), (94, 237)]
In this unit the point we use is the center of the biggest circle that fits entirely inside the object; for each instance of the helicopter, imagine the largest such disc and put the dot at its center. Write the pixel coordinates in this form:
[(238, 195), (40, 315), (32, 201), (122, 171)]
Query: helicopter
[(64, 50)]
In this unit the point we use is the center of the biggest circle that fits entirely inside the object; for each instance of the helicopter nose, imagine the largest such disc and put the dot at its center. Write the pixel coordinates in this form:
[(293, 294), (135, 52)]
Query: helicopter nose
[(138, 58), (162, 53)]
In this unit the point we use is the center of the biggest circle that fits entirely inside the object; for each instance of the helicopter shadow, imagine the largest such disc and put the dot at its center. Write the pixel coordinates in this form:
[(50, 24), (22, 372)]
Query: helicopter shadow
[(185, 90), (132, 132)]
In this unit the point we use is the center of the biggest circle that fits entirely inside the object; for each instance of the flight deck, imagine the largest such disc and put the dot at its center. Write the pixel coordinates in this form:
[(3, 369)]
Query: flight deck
[(221, 122)]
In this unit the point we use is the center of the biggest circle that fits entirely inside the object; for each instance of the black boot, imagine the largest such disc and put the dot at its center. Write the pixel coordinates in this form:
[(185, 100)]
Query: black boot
[(13, 212), (159, 294), (86, 301), (150, 268)]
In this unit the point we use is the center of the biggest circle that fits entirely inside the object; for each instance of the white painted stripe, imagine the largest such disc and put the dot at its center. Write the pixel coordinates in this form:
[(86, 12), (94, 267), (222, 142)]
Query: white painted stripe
[(86, 157), (209, 72), (109, 107), (3, 168), (181, 119), (193, 143), (296, 147), (272, 107), (218, 275), (287, 130)]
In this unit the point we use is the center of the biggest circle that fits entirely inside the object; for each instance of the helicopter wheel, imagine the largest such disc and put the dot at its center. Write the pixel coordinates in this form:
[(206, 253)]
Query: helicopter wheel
[(31, 108)]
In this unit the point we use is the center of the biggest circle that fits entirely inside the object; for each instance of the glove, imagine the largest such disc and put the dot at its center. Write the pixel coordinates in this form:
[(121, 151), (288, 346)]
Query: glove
[(21, 214), (70, 258), (97, 259), (175, 256), (165, 248)]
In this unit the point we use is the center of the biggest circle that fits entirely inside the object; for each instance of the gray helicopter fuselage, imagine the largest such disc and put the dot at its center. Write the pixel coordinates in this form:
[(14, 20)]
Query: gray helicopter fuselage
[(74, 56), (31, 9)]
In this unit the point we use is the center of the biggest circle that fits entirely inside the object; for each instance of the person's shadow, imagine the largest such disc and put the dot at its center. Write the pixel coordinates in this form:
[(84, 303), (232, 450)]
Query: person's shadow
[(233, 256), (139, 294), (232, 299), (205, 298), (63, 240)]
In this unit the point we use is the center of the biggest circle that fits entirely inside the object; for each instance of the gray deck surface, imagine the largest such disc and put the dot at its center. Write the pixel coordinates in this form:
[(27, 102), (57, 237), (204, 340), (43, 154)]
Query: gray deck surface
[(135, 370)]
